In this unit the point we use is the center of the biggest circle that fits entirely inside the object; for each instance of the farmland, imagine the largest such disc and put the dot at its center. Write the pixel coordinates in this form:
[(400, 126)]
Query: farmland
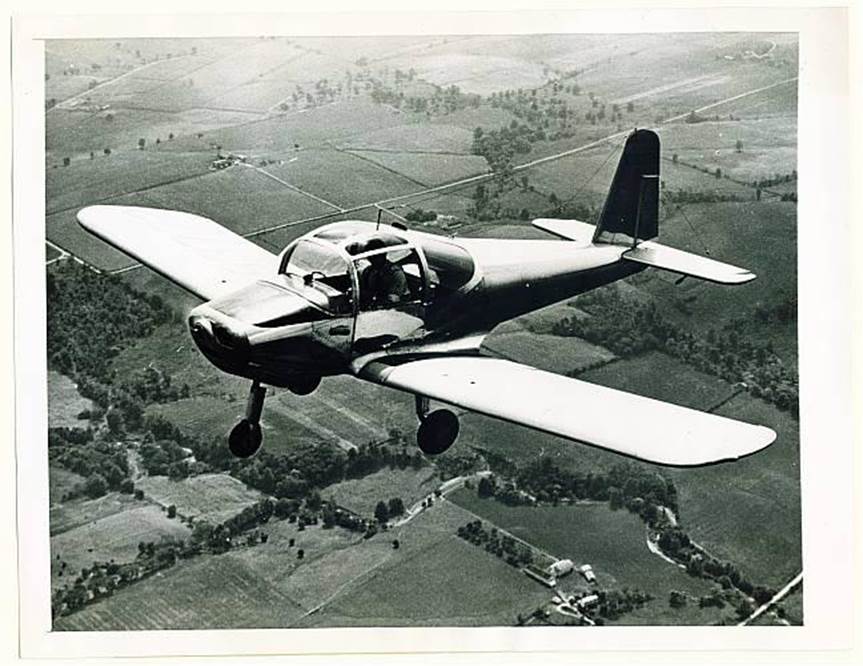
[(322, 125), (64, 401), (210, 497), (114, 537)]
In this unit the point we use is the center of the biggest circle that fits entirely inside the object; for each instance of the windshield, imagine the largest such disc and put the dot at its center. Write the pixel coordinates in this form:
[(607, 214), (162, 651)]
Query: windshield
[(319, 274)]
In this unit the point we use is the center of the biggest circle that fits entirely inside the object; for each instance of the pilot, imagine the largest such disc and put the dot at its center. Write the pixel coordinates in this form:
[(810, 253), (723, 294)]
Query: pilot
[(382, 282)]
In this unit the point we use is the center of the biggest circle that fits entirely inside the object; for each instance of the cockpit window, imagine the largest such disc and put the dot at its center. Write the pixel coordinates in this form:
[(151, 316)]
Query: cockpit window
[(451, 266), (389, 278), (320, 274)]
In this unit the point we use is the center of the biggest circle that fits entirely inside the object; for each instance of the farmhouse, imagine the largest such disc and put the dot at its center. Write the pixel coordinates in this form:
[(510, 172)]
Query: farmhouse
[(589, 601), (561, 568), (587, 571)]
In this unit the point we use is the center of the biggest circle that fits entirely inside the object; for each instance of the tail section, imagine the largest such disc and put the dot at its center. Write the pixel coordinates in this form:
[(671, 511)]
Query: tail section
[(631, 211)]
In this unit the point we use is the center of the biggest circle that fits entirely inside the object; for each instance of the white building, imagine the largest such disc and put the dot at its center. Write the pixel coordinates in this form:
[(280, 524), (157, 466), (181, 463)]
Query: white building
[(561, 568)]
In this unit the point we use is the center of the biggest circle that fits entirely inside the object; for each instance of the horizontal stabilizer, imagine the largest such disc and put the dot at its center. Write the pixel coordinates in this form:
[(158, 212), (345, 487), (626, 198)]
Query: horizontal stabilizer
[(686, 263), (198, 254), (580, 232), (643, 428)]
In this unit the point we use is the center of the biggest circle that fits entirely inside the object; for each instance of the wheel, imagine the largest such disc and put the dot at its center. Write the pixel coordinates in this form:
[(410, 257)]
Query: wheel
[(245, 439), (304, 384), (437, 432)]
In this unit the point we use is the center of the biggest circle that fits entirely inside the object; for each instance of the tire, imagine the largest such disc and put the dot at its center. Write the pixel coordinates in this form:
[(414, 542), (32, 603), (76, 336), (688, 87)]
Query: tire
[(437, 432), (245, 439), (304, 384)]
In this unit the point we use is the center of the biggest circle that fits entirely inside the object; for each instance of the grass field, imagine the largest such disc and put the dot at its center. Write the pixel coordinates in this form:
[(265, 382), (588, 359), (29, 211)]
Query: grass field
[(342, 178), (64, 402), (432, 588), (759, 236), (185, 597), (754, 520), (361, 495), (60, 482), (210, 497), (87, 181), (547, 352), (114, 537), (415, 137), (656, 375), (427, 168), (69, 515), (612, 542), (273, 137)]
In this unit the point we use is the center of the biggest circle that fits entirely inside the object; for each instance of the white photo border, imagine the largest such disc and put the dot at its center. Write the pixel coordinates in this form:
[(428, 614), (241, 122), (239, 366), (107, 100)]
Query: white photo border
[(824, 262)]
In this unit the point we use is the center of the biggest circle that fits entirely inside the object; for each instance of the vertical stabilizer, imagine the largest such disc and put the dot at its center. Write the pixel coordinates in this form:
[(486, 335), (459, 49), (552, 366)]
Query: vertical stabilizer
[(631, 211)]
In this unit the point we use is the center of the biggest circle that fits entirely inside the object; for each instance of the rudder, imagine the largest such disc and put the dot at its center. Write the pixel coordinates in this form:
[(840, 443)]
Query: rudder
[(631, 210)]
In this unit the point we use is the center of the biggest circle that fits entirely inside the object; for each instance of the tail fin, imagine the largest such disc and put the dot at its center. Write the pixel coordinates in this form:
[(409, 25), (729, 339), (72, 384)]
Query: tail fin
[(631, 211)]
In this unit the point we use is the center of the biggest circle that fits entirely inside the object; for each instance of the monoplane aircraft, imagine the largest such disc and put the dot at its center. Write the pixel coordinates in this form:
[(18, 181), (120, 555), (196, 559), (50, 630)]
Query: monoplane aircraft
[(409, 310)]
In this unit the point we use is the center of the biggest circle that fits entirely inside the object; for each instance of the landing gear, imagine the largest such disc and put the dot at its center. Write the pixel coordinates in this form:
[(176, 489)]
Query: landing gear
[(246, 437), (304, 384), (438, 430)]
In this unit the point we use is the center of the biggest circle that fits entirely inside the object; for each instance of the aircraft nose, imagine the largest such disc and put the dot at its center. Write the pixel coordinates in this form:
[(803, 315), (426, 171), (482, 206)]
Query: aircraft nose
[(217, 336)]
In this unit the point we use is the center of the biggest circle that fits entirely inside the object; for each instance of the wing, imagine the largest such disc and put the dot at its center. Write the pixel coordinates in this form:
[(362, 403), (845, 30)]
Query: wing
[(643, 428), (198, 254)]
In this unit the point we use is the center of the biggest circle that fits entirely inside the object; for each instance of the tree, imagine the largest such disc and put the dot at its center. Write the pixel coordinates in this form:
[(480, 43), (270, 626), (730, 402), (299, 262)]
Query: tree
[(141, 144), (485, 487), (738, 146), (66, 161), (395, 507), (107, 151), (382, 513), (172, 511), (718, 172), (396, 544), (301, 554), (115, 421), (676, 599), (95, 486), (139, 494)]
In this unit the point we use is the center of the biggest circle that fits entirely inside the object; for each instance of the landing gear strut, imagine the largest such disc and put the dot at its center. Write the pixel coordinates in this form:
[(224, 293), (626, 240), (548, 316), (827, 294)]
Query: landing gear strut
[(438, 430), (245, 439)]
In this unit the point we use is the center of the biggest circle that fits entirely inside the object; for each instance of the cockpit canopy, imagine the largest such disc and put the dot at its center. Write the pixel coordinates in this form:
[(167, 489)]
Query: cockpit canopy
[(327, 266)]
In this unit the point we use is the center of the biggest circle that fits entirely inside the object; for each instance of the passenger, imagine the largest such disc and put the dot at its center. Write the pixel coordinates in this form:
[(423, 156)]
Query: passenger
[(382, 282)]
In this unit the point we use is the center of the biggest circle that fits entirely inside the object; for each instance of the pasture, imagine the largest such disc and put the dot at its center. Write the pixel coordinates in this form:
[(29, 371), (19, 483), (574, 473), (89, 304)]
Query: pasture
[(184, 597), (77, 512), (429, 169), (547, 352), (656, 375), (64, 402), (114, 537), (451, 583), (60, 482), (748, 512), (276, 136), (758, 236), (210, 497), (87, 181), (341, 178), (416, 137), (362, 495), (612, 542)]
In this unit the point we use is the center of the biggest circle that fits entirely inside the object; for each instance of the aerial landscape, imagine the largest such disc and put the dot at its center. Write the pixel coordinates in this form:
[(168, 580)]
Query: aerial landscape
[(341, 520)]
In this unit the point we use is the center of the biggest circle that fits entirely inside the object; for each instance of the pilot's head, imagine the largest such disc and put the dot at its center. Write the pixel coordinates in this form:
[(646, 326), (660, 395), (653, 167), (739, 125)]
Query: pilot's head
[(377, 259)]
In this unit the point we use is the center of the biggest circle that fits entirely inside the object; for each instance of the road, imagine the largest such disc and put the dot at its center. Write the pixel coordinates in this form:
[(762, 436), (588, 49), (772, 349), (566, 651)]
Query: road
[(64, 104), (383, 203), (781, 594)]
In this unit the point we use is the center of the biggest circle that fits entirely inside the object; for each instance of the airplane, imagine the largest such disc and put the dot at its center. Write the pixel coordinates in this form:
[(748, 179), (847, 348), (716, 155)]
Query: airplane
[(288, 320)]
